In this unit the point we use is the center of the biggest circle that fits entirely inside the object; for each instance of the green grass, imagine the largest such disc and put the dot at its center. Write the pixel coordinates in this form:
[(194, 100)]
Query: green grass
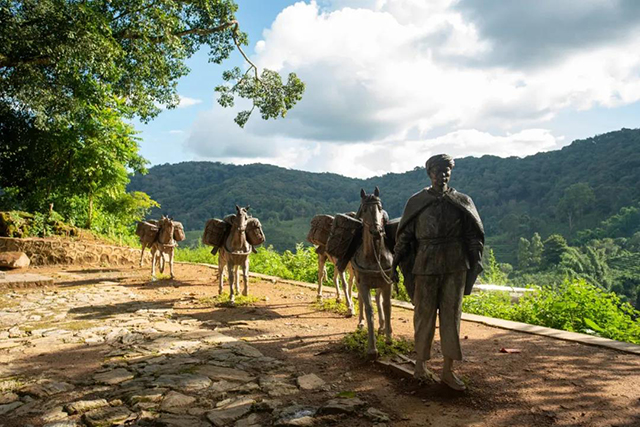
[(333, 306), (224, 300), (356, 342)]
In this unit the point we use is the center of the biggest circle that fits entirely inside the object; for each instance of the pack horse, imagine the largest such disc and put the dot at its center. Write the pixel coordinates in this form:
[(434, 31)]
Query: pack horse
[(234, 239), (162, 237), (366, 241), (318, 235)]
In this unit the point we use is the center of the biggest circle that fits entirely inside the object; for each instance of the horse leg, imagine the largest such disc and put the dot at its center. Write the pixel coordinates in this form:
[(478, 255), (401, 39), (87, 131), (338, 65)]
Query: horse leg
[(360, 311), (232, 276), (245, 276), (347, 297), (237, 281), (153, 263), (381, 314), (352, 276), (161, 261), (336, 278), (171, 262), (386, 305), (144, 246), (372, 351), (221, 264), (322, 273)]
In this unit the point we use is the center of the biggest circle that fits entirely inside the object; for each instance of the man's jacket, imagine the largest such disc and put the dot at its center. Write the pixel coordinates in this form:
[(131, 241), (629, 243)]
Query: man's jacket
[(416, 205)]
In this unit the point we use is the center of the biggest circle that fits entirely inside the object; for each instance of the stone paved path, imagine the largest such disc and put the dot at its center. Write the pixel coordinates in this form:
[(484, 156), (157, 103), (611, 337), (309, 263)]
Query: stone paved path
[(99, 355)]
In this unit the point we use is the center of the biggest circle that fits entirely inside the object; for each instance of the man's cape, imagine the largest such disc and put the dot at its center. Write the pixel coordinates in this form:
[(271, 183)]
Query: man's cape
[(415, 205)]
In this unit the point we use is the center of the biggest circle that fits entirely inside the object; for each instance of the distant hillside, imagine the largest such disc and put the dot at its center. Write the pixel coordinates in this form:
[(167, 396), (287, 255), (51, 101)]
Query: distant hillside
[(515, 196)]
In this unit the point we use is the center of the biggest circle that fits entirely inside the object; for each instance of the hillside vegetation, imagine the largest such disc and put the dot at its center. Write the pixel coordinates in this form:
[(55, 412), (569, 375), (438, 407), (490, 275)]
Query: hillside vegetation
[(515, 196)]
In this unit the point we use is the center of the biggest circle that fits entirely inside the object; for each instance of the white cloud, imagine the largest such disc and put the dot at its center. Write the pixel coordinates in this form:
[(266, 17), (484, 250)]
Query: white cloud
[(186, 102), (390, 82)]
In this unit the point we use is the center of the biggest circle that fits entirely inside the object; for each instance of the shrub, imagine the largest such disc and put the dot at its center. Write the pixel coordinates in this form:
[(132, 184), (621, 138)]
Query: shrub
[(581, 307), (575, 306)]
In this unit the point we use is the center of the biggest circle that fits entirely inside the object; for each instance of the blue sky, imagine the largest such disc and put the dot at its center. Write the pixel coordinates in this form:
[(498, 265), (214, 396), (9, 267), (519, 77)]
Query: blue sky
[(390, 82)]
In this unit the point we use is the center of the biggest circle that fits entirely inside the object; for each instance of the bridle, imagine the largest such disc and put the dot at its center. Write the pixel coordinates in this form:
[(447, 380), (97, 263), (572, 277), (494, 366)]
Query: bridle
[(377, 252), (240, 229), (366, 223), (162, 233)]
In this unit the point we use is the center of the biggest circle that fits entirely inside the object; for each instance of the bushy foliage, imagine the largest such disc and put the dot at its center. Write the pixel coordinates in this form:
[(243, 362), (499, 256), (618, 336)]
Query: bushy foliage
[(301, 265), (200, 254), (24, 224), (495, 273), (571, 306), (491, 304)]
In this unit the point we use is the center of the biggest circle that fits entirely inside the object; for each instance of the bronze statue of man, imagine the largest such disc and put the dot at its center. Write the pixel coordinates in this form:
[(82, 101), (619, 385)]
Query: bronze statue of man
[(439, 250)]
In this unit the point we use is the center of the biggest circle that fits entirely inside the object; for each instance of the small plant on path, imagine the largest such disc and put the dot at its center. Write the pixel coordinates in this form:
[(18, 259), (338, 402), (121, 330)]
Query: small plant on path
[(333, 306), (356, 342), (224, 300)]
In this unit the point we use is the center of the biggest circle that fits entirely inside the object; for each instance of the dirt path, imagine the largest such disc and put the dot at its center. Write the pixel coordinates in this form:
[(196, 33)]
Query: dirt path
[(550, 382)]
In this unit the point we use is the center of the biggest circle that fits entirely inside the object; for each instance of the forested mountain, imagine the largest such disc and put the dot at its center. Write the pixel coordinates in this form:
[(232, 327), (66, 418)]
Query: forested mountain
[(561, 191)]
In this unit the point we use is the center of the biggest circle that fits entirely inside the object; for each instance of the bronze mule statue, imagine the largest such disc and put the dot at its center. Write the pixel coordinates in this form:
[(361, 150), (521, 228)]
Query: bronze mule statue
[(372, 265), (235, 253), (163, 244)]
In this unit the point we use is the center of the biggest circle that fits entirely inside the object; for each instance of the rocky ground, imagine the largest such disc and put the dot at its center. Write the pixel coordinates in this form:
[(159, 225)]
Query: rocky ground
[(108, 347)]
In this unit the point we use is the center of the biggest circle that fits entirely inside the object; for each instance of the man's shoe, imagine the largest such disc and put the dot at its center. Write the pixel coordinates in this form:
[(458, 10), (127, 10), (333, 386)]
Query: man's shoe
[(451, 380)]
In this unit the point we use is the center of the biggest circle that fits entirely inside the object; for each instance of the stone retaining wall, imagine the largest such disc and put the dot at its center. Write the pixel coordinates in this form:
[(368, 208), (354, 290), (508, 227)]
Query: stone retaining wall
[(59, 251)]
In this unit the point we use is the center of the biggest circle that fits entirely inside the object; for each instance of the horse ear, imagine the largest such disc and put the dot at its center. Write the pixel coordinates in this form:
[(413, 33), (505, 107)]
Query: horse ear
[(247, 208), (363, 194), (238, 208), (376, 192)]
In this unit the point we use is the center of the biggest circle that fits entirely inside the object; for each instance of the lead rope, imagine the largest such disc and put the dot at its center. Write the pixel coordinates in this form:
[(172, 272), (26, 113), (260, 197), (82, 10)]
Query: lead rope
[(377, 256)]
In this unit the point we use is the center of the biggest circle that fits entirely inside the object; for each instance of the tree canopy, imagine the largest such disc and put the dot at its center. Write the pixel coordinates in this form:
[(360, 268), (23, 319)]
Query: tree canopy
[(74, 73)]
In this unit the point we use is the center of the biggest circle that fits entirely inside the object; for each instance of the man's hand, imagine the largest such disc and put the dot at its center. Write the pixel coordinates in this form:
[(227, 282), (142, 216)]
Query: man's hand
[(395, 276)]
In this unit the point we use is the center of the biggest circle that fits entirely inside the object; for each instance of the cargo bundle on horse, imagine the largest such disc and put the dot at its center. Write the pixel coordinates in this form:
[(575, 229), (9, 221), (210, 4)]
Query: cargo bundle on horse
[(318, 235), (234, 238), (147, 231), (162, 237), (320, 230)]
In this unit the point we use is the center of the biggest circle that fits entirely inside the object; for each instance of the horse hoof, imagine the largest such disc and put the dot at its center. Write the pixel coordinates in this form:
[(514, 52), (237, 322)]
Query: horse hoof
[(319, 298), (360, 325), (351, 312), (245, 293), (372, 355), (389, 341)]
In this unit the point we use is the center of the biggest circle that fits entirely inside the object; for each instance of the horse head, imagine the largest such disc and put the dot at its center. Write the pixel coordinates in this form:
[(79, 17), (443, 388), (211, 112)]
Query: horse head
[(166, 229), (242, 215), (371, 213)]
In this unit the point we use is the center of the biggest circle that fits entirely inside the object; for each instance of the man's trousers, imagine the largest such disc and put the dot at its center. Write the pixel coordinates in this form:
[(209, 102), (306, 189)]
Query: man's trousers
[(443, 294)]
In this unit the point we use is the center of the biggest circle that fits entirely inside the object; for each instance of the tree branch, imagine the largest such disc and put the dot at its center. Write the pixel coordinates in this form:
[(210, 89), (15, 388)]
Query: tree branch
[(197, 31), (246, 58), (11, 63)]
